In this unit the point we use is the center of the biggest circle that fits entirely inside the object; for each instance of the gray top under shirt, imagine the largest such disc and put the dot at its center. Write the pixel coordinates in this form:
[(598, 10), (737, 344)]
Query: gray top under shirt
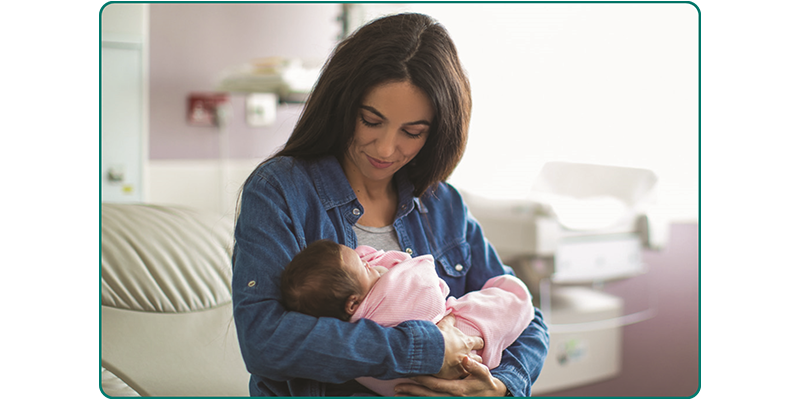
[(378, 238)]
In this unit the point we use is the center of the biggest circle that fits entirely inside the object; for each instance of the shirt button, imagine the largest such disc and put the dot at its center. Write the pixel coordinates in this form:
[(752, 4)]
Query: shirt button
[(409, 251), (251, 283), (356, 211), (459, 267)]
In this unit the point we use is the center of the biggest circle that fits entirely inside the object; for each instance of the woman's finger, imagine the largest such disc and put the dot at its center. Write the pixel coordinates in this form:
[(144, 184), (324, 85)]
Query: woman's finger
[(476, 369), (456, 346), (476, 358), (477, 342), (448, 319)]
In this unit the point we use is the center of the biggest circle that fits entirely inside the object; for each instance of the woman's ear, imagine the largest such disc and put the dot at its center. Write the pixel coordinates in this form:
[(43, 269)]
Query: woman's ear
[(352, 303)]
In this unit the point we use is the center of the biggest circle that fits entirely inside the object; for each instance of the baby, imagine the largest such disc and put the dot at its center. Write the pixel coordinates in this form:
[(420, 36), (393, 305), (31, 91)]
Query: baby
[(327, 279)]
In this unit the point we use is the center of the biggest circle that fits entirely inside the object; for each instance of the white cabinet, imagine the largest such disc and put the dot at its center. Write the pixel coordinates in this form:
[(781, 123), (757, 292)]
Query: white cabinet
[(123, 130)]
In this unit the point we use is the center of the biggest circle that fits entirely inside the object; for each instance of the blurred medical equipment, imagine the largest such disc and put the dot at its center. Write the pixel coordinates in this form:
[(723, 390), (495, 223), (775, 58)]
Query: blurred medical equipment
[(583, 225), (290, 78)]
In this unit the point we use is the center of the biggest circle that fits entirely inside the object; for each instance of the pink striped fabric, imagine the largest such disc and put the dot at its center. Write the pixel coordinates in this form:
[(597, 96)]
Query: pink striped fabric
[(411, 290)]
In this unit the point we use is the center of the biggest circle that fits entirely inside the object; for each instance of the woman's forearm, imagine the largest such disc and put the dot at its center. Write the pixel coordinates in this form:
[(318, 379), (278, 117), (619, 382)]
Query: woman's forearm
[(329, 350)]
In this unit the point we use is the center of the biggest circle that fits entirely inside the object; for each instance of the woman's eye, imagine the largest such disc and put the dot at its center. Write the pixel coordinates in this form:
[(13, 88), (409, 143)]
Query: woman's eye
[(413, 135), (369, 124)]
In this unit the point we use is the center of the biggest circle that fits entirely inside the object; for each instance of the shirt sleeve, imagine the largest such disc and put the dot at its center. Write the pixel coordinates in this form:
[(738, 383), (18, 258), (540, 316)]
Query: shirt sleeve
[(281, 345)]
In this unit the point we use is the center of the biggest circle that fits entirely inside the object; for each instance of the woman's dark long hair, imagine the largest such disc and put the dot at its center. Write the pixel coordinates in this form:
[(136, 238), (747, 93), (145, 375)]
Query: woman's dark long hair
[(396, 48)]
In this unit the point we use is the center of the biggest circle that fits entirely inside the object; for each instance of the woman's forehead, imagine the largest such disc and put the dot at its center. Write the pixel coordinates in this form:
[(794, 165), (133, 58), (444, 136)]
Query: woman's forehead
[(399, 100)]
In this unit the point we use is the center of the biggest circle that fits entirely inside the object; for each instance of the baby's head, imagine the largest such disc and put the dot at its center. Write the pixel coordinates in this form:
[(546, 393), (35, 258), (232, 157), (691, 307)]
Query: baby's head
[(327, 279)]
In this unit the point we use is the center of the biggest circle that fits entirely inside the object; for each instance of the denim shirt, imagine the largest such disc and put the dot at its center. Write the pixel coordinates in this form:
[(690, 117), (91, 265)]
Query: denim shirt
[(289, 203)]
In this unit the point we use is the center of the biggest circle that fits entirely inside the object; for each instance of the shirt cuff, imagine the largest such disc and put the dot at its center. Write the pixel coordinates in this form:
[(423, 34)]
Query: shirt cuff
[(516, 383), (426, 353)]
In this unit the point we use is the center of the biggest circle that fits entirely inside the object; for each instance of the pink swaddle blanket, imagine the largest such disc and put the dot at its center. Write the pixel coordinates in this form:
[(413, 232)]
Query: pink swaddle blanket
[(411, 290)]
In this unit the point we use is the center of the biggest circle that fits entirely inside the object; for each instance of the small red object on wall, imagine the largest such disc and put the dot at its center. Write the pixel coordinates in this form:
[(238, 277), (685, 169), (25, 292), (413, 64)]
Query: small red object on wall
[(202, 108)]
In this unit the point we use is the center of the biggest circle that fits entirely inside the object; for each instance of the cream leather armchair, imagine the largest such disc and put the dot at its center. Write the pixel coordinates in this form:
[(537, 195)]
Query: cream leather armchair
[(166, 315)]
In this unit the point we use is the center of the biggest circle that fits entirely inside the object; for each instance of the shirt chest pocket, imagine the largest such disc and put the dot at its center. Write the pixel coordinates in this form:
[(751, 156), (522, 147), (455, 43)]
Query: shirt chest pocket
[(455, 261)]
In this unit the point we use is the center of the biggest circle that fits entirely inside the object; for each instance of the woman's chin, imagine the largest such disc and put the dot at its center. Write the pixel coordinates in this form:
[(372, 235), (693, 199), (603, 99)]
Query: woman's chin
[(380, 174)]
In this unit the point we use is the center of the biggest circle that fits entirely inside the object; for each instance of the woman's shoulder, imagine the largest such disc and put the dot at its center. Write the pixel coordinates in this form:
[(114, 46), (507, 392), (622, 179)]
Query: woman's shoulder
[(281, 170), (277, 166), (285, 177)]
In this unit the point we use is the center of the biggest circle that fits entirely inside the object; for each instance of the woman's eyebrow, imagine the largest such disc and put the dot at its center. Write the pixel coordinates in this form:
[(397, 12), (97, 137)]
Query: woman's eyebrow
[(376, 112)]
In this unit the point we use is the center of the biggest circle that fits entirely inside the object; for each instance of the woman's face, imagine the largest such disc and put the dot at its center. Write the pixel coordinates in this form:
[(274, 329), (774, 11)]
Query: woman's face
[(392, 125)]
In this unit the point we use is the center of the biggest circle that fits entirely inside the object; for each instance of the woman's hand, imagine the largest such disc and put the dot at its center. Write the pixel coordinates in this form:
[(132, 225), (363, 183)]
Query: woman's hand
[(457, 345), (479, 383)]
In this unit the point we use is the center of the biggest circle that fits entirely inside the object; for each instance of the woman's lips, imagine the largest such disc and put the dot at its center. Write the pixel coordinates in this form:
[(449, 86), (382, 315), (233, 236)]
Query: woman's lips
[(378, 164)]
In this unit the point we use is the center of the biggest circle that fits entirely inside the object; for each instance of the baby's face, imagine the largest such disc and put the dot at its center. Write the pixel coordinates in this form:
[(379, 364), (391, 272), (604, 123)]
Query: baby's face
[(366, 274)]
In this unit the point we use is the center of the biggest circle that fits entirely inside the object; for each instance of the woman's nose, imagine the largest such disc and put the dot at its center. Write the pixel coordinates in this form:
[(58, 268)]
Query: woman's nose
[(385, 145)]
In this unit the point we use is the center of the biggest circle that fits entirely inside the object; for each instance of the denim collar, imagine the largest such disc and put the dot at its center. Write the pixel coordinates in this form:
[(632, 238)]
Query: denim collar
[(334, 189)]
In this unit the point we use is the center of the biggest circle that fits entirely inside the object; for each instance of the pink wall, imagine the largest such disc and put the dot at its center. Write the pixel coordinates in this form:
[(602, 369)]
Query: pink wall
[(192, 43), (660, 356)]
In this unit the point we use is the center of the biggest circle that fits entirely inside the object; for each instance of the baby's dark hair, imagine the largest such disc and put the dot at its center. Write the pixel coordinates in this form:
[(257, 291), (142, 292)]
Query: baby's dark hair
[(316, 283)]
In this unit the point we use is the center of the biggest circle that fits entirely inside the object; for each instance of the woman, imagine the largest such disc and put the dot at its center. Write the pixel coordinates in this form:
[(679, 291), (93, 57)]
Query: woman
[(385, 125)]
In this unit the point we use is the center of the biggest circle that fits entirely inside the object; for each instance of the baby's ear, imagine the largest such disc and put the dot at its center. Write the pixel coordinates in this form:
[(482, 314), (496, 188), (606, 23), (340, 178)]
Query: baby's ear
[(352, 303)]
